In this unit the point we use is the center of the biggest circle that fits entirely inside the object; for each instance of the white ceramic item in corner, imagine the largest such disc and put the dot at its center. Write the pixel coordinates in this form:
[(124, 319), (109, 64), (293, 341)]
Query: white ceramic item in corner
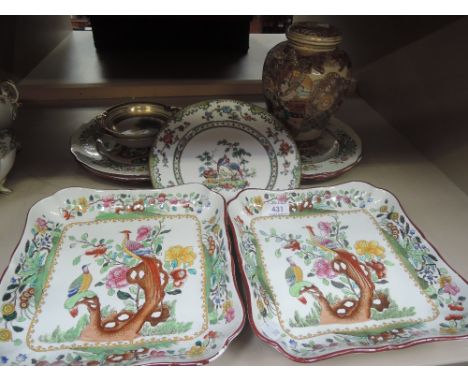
[(8, 106)]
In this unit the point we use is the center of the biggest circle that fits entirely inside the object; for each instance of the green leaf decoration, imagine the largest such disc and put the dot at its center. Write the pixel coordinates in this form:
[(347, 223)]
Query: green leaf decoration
[(278, 252), (326, 282), (123, 295), (98, 284), (76, 260), (84, 236), (337, 284), (71, 302), (12, 286), (17, 329), (18, 268), (6, 296)]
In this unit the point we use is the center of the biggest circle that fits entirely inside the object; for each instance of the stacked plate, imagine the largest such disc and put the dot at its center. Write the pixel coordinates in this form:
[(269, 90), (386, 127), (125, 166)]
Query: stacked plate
[(116, 143), (226, 145)]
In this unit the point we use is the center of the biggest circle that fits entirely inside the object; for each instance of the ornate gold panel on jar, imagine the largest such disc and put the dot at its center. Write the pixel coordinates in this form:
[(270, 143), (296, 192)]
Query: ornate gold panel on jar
[(306, 77)]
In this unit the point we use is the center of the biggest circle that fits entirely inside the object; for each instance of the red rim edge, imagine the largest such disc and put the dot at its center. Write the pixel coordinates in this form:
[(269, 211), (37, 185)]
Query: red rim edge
[(322, 357)]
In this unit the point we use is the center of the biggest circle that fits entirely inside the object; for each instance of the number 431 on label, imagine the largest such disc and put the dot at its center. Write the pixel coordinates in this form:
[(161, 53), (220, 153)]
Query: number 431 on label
[(277, 209)]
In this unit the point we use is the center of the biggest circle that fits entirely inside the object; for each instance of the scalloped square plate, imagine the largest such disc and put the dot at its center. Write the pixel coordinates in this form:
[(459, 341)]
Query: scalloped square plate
[(342, 269), (126, 277)]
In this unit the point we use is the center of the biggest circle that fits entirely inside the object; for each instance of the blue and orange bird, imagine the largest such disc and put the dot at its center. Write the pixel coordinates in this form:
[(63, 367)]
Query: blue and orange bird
[(81, 283)]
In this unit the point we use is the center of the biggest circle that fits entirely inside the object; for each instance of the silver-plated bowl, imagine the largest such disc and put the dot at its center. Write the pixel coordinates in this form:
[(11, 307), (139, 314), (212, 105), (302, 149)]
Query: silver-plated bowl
[(135, 124)]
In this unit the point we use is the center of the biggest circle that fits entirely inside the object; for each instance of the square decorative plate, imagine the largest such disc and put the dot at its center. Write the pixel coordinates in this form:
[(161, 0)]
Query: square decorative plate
[(342, 269), (226, 145), (125, 277)]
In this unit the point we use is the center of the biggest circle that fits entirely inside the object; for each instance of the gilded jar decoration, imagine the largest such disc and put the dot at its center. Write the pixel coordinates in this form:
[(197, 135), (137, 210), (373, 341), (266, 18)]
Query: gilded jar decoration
[(306, 77)]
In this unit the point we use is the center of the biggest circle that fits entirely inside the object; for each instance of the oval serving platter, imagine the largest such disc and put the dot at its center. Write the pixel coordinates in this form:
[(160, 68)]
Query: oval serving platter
[(121, 277), (342, 269), (226, 145)]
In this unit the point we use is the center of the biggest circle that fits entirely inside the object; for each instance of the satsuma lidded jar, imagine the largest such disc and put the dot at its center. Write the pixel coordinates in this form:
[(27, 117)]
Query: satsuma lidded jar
[(306, 77)]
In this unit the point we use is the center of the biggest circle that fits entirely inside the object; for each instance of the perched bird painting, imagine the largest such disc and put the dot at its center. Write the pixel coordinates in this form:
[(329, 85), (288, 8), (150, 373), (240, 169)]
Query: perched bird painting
[(233, 167), (295, 279), (134, 248), (80, 284)]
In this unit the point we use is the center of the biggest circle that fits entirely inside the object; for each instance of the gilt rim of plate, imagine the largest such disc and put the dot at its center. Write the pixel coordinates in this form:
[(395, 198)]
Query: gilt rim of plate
[(252, 120), (346, 158), (83, 147)]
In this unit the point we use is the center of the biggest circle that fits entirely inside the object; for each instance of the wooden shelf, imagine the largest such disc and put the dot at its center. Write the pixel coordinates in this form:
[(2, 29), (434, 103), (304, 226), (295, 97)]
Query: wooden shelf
[(74, 71)]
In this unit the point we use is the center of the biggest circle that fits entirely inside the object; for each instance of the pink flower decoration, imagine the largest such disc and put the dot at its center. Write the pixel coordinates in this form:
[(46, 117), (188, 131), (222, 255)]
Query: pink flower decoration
[(325, 228), (282, 198), (108, 200), (41, 223), (323, 269), (173, 201), (117, 277), (161, 198), (143, 232), (347, 200), (157, 353), (451, 289), (326, 242), (230, 314)]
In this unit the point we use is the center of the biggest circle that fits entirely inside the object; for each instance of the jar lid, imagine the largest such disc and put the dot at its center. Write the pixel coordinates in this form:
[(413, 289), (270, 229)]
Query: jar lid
[(312, 33)]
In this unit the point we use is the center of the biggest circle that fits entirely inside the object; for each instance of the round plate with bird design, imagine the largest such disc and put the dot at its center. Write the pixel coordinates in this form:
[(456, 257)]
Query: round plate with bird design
[(226, 145)]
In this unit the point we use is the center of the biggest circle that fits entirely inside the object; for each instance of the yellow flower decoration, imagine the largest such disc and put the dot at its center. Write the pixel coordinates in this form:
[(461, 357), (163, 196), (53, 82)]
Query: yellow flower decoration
[(181, 255), (258, 201), (83, 204), (444, 280), (451, 330), (227, 305), (196, 350), (5, 335), (364, 247), (8, 309)]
